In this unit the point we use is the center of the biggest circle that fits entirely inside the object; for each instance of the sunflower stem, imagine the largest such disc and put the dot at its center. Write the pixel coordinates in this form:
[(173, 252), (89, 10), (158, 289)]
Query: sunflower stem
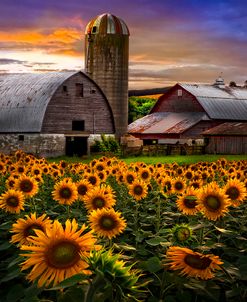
[(96, 283), (158, 215)]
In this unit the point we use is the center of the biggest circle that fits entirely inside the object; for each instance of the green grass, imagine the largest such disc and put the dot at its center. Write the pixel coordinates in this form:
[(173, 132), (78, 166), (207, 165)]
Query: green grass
[(180, 159)]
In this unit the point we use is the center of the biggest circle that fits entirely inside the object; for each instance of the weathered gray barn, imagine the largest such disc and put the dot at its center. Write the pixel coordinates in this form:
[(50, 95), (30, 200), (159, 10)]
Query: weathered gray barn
[(52, 114)]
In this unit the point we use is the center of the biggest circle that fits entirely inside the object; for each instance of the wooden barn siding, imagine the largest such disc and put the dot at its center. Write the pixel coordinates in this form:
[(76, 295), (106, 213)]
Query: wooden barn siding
[(196, 131), (66, 106), (227, 145), (170, 102)]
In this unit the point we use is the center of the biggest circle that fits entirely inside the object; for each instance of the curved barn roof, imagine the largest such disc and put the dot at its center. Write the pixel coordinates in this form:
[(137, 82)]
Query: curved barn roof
[(107, 24), (24, 98)]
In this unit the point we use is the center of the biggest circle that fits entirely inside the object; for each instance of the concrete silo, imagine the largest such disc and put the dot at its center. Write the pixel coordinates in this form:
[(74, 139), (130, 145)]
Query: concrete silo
[(106, 62)]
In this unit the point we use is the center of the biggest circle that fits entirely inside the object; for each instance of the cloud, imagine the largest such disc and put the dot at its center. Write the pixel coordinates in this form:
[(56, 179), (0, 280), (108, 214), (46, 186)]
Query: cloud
[(6, 61)]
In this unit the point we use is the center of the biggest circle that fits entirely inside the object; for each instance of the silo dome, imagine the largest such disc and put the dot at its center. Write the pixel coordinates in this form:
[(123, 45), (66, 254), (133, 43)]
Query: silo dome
[(107, 63), (107, 24)]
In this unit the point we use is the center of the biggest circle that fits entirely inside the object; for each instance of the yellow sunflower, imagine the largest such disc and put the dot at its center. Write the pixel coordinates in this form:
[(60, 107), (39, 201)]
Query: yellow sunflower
[(107, 222), (99, 197), (145, 174), (12, 201), (236, 191), (93, 178), (178, 185), (10, 182), (65, 192), (27, 185), (138, 189), (130, 177), (192, 264), (83, 187), (24, 228), (212, 201), (58, 254), (187, 202)]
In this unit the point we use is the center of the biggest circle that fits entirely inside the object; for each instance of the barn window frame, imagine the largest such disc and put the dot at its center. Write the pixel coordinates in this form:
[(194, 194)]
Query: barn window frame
[(79, 90), (78, 125), (65, 88), (180, 92)]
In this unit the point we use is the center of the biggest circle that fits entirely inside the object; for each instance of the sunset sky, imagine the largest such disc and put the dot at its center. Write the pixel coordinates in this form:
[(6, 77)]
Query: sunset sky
[(171, 40)]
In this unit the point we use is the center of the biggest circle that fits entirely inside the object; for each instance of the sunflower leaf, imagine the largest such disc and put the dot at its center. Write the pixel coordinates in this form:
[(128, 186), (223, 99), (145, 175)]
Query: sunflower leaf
[(70, 281)]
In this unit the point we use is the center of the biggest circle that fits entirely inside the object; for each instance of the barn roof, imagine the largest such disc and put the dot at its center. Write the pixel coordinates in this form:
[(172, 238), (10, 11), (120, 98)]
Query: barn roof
[(220, 103), (166, 122), (228, 129), (24, 98)]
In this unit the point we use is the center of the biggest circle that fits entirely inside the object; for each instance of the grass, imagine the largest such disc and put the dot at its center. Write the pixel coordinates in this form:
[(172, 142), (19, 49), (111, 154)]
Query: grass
[(180, 159)]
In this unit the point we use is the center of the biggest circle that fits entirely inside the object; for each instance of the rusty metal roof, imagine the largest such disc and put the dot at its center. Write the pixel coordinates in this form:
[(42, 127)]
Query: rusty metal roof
[(24, 98), (220, 103), (107, 24), (166, 122), (228, 129)]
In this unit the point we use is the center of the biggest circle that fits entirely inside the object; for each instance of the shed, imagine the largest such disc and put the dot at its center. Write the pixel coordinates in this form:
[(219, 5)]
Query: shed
[(51, 114), (227, 138)]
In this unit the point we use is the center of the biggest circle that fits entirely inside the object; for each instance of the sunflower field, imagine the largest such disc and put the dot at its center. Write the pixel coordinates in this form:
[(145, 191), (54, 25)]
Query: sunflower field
[(111, 231)]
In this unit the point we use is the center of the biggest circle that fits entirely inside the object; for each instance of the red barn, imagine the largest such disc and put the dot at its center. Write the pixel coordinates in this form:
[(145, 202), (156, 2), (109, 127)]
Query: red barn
[(182, 114)]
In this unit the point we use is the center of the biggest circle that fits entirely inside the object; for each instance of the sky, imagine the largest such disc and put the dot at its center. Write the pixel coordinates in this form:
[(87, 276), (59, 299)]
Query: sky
[(188, 41)]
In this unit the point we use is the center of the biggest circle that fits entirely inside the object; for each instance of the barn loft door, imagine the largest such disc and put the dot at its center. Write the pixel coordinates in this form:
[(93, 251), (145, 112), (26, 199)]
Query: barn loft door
[(76, 146)]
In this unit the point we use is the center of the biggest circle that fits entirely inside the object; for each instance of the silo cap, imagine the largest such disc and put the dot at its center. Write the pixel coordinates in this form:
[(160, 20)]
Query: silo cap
[(107, 24)]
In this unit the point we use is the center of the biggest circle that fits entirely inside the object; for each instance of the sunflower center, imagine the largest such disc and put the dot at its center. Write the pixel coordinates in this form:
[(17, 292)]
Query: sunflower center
[(26, 186), (197, 262), (233, 193), (82, 189), (130, 179), (98, 202), (65, 193), (29, 231), (63, 254), (145, 175), (138, 190), (190, 203), (212, 202), (178, 185), (107, 223), (189, 175), (92, 180), (183, 233), (12, 201)]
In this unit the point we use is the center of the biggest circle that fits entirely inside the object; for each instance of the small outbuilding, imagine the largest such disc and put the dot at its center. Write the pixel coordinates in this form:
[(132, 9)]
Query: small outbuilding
[(227, 138), (52, 114)]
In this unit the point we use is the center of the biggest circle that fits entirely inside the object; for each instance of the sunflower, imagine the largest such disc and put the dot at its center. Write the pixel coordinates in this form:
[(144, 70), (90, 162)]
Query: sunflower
[(182, 233), (145, 174), (36, 171), (212, 201), (57, 254), (178, 185), (235, 190), (107, 222), (12, 201), (27, 185), (130, 177), (188, 174), (99, 197), (24, 228), (192, 264), (10, 182), (65, 192), (83, 187), (166, 184), (93, 178), (187, 202), (138, 189)]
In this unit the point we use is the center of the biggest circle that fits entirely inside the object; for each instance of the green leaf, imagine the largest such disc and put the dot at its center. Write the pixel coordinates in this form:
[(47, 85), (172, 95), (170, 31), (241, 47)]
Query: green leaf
[(70, 281), (15, 293), (74, 294), (154, 241), (153, 264), (6, 245), (12, 275)]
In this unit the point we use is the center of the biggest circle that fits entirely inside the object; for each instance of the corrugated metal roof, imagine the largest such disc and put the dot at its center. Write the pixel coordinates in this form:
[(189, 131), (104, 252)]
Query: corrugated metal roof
[(24, 98), (223, 108), (166, 122), (228, 129), (107, 24)]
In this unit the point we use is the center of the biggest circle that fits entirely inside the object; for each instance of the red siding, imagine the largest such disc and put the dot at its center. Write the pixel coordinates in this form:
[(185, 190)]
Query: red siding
[(171, 102), (227, 145)]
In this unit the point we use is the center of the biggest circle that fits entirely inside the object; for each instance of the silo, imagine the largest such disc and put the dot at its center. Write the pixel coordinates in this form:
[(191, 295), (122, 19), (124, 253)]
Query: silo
[(107, 61)]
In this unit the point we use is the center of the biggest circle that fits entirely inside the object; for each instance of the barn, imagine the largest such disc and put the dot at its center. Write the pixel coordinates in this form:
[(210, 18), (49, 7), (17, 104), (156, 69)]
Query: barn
[(227, 138), (52, 114), (181, 115)]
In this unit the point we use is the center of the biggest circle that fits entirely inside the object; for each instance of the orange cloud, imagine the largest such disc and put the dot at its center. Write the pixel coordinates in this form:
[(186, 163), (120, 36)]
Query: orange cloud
[(60, 38)]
